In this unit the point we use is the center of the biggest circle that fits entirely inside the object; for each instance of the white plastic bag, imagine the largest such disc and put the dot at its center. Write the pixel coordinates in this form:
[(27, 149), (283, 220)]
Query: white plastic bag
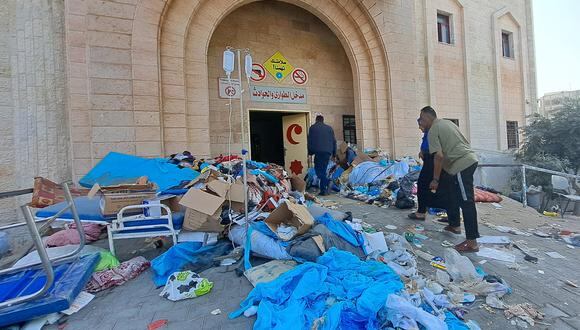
[(460, 267), (184, 285)]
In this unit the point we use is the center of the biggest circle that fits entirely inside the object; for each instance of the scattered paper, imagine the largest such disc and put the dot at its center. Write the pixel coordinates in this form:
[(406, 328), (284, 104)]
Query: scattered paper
[(570, 246), (482, 262), (216, 312), (390, 227), (38, 323), (496, 254), (493, 240), (375, 242), (541, 271), (497, 206), (83, 299), (555, 255)]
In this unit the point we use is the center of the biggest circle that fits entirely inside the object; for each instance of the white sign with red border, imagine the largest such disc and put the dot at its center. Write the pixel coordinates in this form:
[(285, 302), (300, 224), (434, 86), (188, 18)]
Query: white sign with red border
[(229, 88), (299, 76), (258, 72)]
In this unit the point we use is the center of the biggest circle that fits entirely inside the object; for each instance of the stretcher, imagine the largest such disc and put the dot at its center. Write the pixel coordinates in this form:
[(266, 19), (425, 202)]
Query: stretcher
[(130, 222), (50, 285)]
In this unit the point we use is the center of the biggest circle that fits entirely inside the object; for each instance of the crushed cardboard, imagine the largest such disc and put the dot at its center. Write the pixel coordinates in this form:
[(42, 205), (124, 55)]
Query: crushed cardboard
[(291, 214)]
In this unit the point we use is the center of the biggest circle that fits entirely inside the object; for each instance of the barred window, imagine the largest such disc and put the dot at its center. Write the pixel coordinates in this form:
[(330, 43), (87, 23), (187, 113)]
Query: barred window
[(349, 129), (513, 139)]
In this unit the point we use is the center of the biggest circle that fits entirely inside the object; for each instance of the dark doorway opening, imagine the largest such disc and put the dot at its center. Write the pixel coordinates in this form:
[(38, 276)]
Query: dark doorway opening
[(266, 137)]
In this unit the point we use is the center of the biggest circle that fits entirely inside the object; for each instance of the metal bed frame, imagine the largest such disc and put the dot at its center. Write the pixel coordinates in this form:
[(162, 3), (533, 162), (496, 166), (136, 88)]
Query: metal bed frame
[(46, 262)]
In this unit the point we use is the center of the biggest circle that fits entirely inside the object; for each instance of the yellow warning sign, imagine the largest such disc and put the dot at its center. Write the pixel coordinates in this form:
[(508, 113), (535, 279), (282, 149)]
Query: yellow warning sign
[(278, 66)]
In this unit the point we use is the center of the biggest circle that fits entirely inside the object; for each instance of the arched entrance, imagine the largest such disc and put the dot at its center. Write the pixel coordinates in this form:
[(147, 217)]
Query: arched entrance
[(186, 31), (305, 42)]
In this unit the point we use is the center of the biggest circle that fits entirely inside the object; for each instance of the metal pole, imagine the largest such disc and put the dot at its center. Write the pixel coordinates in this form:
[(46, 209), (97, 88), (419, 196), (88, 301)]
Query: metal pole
[(244, 151), (524, 187)]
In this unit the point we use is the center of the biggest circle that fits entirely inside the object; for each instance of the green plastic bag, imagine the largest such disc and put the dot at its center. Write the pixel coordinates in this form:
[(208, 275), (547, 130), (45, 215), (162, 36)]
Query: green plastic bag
[(108, 261)]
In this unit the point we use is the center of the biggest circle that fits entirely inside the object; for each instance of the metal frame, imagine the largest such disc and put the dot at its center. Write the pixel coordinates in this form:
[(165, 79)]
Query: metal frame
[(525, 167), (46, 262), (116, 228)]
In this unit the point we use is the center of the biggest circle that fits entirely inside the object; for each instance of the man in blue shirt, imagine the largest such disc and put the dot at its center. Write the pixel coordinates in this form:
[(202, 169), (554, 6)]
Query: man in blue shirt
[(321, 144)]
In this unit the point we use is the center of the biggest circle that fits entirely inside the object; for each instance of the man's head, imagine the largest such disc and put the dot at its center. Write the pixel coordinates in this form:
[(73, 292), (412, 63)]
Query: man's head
[(319, 119), (428, 115)]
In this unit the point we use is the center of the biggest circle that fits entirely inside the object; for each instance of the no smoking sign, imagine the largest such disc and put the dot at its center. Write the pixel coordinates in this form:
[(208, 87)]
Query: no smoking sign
[(299, 76)]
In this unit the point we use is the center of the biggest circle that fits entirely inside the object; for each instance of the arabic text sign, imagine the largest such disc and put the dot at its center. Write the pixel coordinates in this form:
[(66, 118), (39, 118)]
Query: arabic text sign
[(277, 65), (278, 94), (229, 88)]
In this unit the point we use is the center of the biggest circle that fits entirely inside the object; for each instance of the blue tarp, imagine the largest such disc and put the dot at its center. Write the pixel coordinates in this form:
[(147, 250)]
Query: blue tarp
[(339, 287), (118, 168), (342, 229), (186, 256), (369, 172)]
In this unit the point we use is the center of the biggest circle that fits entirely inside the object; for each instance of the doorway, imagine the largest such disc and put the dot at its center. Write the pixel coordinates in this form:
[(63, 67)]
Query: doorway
[(280, 137)]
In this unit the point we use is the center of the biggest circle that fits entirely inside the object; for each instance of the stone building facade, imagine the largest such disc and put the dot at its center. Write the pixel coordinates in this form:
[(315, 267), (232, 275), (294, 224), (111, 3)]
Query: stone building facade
[(552, 102), (87, 77)]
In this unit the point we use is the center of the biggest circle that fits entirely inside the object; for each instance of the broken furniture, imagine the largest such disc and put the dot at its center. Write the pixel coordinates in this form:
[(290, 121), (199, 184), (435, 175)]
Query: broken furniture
[(47, 287), (562, 189), (141, 226), (130, 223)]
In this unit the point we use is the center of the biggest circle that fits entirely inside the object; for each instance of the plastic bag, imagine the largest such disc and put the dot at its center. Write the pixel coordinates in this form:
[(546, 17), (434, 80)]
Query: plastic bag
[(108, 261), (460, 267), (261, 244), (184, 285)]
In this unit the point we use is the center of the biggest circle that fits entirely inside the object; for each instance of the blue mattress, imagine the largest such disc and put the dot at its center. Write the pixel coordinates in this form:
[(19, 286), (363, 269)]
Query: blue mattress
[(89, 210), (70, 279)]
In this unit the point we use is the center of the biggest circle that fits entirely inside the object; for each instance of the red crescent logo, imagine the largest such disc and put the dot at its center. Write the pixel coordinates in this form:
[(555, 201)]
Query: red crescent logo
[(297, 129)]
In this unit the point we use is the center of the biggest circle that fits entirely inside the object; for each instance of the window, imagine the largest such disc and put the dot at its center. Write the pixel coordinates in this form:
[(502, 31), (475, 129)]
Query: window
[(455, 121), (349, 129), (513, 138), (444, 28), (507, 44)]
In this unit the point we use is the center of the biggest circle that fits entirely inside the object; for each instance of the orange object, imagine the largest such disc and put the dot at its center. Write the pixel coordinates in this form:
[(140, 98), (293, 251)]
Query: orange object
[(157, 324)]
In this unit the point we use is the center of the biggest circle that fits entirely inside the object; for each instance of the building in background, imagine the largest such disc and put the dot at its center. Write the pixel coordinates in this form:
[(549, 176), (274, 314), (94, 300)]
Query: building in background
[(81, 78), (552, 102)]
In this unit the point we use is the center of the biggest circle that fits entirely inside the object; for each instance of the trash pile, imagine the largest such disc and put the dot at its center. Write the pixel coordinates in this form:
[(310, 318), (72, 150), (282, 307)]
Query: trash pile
[(346, 272)]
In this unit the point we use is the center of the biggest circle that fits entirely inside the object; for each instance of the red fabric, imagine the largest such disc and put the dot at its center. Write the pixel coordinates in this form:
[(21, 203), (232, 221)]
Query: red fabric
[(70, 236), (482, 196), (221, 158), (114, 277)]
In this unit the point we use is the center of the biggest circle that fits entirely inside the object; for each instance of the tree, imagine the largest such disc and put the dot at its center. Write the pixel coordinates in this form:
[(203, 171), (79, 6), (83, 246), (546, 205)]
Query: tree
[(552, 143)]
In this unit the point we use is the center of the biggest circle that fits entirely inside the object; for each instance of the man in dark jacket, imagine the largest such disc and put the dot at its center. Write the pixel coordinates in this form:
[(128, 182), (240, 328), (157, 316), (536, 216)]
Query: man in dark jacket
[(321, 144)]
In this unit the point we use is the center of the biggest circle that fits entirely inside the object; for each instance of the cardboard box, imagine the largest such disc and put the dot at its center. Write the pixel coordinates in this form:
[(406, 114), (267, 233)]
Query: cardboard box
[(291, 214), (203, 210), (116, 197), (298, 184)]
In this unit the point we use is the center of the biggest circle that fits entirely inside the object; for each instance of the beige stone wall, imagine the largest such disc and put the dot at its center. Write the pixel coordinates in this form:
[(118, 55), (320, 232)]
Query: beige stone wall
[(511, 76), (267, 27), (142, 81), (33, 122)]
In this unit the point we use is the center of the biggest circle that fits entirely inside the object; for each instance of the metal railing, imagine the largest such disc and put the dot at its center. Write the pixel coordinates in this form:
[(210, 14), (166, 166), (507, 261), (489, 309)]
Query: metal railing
[(46, 262), (525, 167)]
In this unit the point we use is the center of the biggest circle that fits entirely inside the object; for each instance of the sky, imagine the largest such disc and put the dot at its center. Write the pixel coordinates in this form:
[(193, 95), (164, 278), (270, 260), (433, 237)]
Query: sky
[(557, 36)]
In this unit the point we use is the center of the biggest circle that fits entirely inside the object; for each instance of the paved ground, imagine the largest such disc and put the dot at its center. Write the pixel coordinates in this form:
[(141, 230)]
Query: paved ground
[(137, 303)]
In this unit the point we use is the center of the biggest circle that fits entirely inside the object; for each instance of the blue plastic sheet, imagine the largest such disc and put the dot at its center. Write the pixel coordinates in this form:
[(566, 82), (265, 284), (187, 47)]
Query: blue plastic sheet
[(345, 291), (118, 168), (186, 256), (342, 229), (369, 172), (267, 175)]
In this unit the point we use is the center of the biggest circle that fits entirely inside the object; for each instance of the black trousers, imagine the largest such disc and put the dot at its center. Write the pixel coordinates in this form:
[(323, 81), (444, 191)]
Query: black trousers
[(425, 198), (459, 189), (424, 195)]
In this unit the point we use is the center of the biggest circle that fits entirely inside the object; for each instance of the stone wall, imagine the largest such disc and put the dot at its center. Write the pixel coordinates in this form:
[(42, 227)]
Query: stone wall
[(268, 27), (34, 126)]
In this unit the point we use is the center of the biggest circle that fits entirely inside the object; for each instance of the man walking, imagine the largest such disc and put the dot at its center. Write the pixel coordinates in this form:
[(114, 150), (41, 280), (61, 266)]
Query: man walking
[(321, 144), (454, 166)]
